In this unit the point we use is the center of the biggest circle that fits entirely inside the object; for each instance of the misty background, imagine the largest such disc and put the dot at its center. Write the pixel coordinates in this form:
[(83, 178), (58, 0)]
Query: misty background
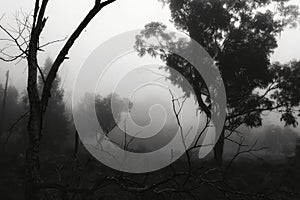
[(272, 134)]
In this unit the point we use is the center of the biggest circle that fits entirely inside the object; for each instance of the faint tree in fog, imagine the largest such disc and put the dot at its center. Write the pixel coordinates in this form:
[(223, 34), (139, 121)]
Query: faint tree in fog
[(56, 125), (13, 128), (107, 119), (103, 107)]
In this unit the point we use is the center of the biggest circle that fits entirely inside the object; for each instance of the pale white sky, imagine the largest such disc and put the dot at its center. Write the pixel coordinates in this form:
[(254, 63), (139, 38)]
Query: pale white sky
[(121, 16), (64, 16)]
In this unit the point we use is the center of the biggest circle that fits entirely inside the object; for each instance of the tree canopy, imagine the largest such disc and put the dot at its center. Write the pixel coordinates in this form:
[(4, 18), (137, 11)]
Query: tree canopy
[(241, 37)]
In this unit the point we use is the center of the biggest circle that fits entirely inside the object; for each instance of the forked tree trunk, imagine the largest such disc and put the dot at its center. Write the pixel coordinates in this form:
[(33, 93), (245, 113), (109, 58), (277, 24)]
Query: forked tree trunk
[(38, 104)]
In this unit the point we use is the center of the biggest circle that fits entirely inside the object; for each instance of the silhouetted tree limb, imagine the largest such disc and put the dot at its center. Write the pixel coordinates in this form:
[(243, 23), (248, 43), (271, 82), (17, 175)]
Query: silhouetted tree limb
[(29, 50), (13, 126)]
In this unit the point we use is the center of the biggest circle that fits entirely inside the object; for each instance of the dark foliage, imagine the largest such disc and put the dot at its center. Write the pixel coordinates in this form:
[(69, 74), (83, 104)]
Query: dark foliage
[(240, 36)]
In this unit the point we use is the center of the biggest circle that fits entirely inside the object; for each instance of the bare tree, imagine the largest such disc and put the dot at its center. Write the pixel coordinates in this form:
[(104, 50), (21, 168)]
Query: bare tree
[(26, 37)]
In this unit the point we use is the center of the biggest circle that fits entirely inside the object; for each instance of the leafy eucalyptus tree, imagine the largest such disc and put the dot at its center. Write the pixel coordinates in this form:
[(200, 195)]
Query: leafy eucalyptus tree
[(240, 35)]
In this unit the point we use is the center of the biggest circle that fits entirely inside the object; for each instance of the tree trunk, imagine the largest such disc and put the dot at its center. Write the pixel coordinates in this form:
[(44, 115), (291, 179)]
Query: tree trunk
[(218, 149), (76, 144), (38, 105), (32, 153), (34, 129)]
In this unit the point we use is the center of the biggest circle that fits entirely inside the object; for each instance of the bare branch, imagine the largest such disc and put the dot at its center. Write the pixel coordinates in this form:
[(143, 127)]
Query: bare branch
[(13, 126), (239, 152), (51, 42), (254, 110), (66, 48), (42, 74), (14, 39), (36, 10)]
